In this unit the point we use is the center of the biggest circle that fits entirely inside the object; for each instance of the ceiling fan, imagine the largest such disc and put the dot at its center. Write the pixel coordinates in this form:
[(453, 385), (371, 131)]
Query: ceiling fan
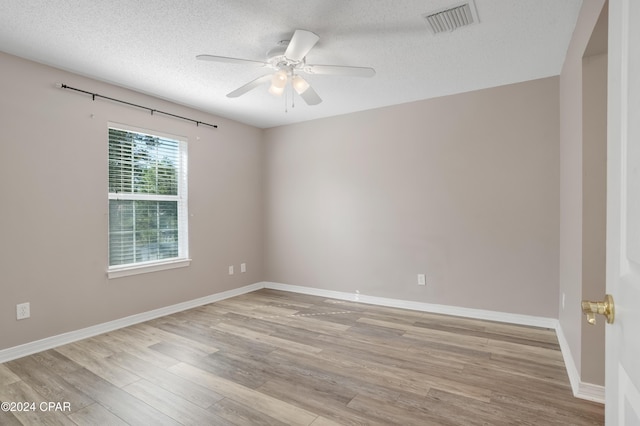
[(288, 59)]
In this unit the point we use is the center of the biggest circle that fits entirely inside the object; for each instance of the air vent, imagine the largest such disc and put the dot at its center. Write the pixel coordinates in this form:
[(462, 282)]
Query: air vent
[(451, 18)]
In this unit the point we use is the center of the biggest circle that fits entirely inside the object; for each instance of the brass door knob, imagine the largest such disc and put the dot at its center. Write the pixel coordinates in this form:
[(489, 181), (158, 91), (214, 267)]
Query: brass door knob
[(606, 308)]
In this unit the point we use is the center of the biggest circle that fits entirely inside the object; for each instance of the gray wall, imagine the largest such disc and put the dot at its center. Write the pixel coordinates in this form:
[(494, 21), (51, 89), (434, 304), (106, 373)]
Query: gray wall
[(53, 220), (573, 189), (594, 211), (462, 188)]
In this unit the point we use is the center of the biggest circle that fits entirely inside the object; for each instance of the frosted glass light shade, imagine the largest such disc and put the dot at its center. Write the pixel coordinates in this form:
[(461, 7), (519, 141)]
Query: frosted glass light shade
[(299, 84), (276, 90), (279, 79)]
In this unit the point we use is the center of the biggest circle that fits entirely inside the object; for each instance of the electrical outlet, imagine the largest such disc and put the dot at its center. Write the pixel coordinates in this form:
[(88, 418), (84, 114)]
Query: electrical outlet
[(422, 279), (243, 267), (231, 270), (23, 310)]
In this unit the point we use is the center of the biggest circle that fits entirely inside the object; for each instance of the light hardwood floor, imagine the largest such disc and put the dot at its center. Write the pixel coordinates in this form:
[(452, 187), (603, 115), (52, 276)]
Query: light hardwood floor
[(274, 358)]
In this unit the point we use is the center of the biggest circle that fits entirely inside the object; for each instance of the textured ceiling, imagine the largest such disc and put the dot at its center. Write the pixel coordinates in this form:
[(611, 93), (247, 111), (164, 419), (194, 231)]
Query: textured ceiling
[(150, 46)]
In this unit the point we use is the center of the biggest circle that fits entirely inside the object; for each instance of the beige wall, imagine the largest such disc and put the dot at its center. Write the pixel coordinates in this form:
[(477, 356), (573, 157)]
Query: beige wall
[(53, 220), (594, 212), (571, 188), (462, 188)]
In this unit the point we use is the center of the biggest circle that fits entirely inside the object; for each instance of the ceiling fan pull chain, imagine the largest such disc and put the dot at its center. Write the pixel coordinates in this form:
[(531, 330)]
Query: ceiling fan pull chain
[(285, 101), (293, 98)]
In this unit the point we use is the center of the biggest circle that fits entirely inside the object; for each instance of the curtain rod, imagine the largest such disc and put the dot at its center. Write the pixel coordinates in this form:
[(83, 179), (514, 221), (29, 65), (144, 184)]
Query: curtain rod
[(152, 110)]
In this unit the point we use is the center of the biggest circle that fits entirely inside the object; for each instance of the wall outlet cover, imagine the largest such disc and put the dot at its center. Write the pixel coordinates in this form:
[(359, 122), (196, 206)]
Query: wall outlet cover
[(23, 310), (422, 279)]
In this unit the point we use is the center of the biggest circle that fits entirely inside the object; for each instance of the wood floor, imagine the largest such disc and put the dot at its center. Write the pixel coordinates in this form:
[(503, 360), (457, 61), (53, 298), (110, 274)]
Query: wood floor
[(275, 358)]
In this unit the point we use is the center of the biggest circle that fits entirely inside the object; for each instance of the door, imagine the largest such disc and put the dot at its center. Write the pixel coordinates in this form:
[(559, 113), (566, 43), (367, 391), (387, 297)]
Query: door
[(622, 388)]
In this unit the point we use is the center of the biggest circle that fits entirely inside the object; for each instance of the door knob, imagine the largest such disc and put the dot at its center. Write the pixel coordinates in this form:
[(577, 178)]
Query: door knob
[(606, 308)]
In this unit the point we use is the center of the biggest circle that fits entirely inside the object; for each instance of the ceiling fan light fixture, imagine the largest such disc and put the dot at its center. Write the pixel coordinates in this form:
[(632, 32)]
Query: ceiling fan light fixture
[(279, 79), (276, 91), (299, 84)]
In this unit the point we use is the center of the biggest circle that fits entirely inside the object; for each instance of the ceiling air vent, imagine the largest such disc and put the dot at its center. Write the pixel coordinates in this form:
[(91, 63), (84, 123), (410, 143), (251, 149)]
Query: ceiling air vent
[(451, 18)]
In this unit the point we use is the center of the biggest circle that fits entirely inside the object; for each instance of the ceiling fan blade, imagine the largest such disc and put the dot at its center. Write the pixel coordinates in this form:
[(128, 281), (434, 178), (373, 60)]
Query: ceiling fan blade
[(249, 86), (300, 44), (340, 70), (228, 60), (310, 96)]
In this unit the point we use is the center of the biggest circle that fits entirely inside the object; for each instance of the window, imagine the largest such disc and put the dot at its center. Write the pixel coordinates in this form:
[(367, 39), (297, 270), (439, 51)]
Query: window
[(147, 201)]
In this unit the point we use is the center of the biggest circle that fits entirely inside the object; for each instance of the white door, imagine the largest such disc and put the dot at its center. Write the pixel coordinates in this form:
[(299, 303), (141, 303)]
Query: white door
[(622, 389)]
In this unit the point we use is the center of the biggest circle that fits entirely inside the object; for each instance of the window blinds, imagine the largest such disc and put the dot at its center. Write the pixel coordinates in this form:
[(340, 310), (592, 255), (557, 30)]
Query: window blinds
[(147, 198)]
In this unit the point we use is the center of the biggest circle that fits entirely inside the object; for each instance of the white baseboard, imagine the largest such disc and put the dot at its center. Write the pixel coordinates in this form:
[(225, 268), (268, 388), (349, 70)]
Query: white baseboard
[(590, 392), (420, 306), (73, 336), (580, 389), (570, 365)]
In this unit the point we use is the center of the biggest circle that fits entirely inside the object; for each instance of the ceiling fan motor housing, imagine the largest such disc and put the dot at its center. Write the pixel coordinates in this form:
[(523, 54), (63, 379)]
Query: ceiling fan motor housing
[(276, 58)]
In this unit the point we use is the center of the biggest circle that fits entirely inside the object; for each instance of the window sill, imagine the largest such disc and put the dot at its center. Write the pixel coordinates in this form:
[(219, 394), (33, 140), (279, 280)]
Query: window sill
[(118, 272)]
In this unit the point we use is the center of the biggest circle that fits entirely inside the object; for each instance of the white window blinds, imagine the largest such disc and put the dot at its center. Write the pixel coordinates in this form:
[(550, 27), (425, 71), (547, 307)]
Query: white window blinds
[(147, 198)]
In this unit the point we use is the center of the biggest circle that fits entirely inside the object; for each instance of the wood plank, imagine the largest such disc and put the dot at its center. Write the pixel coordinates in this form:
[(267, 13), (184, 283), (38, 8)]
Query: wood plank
[(151, 357), (224, 341), (177, 351), (96, 414), (171, 404), (7, 376), (238, 368), (102, 367), (315, 325), (323, 421), (391, 412), (319, 401), (120, 403), (50, 386), (8, 419), (242, 415), (187, 390), (273, 407), (22, 392), (56, 362), (163, 336), (282, 344)]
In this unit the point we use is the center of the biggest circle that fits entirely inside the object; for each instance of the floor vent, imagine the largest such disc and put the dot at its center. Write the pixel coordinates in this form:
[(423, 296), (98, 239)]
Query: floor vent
[(451, 18)]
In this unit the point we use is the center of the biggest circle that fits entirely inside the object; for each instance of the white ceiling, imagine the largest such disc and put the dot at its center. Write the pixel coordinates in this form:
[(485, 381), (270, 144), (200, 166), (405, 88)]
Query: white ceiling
[(150, 46)]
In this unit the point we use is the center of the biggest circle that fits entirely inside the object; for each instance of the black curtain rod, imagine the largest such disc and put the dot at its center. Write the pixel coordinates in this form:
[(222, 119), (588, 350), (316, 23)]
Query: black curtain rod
[(151, 110)]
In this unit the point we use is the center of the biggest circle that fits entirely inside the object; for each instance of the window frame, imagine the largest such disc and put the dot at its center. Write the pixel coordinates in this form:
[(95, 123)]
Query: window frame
[(182, 260)]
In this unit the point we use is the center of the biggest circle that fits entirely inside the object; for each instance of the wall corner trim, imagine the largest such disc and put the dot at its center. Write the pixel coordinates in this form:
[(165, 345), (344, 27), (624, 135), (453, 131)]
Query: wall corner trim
[(580, 389)]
